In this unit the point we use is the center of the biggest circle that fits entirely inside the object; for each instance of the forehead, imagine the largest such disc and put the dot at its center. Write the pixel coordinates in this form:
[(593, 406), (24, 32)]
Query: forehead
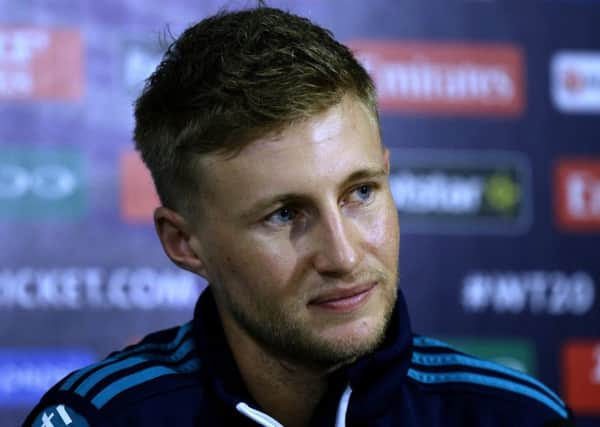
[(317, 151)]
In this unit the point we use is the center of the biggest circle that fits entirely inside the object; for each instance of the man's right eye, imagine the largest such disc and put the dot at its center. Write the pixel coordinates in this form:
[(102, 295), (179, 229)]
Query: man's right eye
[(282, 216)]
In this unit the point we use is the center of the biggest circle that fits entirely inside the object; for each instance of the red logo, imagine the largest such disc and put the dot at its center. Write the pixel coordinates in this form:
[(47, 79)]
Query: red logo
[(573, 81), (577, 184), (476, 79), (138, 196), (38, 63), (581, 376)]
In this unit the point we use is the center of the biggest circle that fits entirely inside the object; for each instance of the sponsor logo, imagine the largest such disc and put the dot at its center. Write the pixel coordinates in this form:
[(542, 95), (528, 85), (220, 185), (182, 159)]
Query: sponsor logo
[(461, 192), (95, 288), (575, 81), (453, 78), (533, 292), (139, 62), (577, 184), (26, 374), (40, 63), (513, 353), (581, 376), (138, 196), (41, 182)]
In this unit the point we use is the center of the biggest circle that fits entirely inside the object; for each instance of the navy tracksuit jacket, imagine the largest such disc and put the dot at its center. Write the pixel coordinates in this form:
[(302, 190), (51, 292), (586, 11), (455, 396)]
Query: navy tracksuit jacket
[(186, 376)]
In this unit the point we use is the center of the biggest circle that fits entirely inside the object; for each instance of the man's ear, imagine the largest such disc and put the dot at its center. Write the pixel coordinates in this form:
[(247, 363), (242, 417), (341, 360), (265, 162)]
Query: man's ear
[(386, 160), (176, 237)]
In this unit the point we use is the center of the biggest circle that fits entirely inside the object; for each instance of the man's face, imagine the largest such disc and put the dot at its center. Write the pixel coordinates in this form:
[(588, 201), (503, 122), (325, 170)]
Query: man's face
[(299, 238)]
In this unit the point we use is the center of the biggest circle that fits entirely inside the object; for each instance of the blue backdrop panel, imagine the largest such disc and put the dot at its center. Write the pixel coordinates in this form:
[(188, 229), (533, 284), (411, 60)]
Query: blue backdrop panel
[(491, 110)]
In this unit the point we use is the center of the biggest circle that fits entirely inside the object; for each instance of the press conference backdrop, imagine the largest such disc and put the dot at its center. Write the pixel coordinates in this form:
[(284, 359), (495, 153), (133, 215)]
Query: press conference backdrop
[(491, 110)]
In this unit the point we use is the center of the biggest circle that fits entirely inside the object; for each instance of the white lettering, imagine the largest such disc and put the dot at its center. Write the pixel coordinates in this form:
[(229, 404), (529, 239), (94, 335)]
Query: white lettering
[(552, 293), (476, 292), (538, 290), (80, 288), (23, 293), (436, 193), (583, 195), (583, 293), (509, 295), (14, 181), (46, 182), (147, 289), (177, 289), (575, 195), (15, 83), (47, 420), (117, 283), (63, 414), (559, 298), (53, 182), (93, 283), (420, 79), (18, 377), (47, 289), (18, 47), (144, 293)]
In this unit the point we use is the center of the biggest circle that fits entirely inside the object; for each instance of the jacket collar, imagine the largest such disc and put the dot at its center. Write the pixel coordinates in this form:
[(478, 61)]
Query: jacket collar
[(378, 377), (374, 378), (217, 358)]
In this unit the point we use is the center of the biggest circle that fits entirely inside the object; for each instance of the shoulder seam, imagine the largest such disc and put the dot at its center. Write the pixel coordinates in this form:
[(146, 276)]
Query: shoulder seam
[(452, 366), (133, 367), (137, 378)]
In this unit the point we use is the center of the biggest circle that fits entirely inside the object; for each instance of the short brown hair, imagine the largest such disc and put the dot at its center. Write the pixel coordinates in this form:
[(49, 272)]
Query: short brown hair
[(231, 78)]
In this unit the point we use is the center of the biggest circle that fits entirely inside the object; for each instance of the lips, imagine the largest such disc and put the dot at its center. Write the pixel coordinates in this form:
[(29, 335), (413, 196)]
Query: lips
[(343, 299)]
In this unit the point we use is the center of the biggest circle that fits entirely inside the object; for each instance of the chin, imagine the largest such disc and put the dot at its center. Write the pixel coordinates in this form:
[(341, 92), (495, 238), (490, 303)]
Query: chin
[(355, 340)]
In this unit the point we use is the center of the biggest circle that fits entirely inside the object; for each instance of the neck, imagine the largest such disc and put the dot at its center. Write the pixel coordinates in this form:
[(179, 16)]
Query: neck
[(287, 390), (289, 393)]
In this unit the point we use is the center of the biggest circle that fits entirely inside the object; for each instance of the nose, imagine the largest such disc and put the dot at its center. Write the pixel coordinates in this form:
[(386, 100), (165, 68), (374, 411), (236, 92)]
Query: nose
[(336, 252)]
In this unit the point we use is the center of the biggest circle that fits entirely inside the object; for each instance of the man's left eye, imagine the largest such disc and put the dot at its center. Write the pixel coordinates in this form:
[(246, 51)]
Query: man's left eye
[(364, 192)]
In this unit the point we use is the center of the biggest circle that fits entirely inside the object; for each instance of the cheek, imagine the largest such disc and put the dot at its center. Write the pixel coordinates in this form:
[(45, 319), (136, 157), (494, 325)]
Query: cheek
[(382, 233), (253, 262), (382, 238)]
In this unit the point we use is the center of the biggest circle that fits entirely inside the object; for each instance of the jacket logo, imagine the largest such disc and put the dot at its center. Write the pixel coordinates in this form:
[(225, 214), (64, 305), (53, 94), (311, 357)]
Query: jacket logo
[(62, 413)]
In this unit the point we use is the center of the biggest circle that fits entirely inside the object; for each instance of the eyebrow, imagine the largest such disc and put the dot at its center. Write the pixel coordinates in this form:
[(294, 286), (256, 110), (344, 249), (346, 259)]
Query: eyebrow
[(288, 198), (367, 173)]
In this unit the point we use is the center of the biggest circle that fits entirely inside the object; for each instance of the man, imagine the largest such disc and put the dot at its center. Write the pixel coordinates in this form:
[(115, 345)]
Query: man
[(262, 136)]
